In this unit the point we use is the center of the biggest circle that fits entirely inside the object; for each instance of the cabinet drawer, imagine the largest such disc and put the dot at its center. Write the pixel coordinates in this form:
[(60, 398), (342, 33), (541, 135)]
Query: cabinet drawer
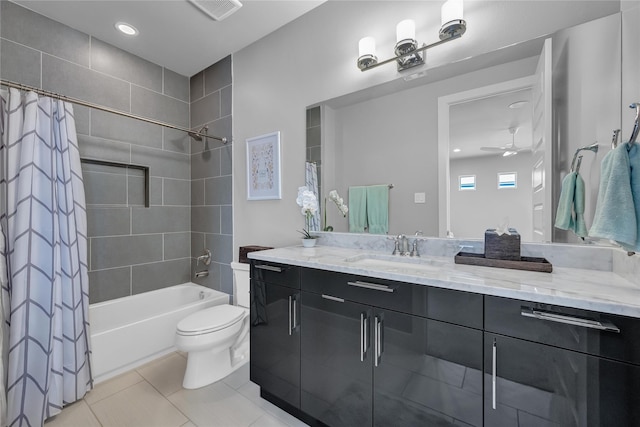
[(280, 274), (452, 306), (591, 332)]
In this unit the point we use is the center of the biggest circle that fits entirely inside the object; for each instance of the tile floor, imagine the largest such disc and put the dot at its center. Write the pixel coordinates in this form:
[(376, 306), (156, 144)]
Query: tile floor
[(152, 395)]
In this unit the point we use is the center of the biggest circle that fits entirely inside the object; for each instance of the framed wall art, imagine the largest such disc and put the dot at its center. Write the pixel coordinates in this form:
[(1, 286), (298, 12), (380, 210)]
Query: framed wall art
[(263, 167)]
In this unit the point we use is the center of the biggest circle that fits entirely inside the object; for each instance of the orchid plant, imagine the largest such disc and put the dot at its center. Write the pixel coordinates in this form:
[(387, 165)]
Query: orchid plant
[(335, 197), (308, 203)]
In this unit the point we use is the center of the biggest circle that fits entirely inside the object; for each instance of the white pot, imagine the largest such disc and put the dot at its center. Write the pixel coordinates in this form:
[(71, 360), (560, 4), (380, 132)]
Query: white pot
[(308, 243)]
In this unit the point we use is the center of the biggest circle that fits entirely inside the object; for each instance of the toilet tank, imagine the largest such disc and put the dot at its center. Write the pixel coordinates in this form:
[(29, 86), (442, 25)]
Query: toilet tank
[(241, 284)]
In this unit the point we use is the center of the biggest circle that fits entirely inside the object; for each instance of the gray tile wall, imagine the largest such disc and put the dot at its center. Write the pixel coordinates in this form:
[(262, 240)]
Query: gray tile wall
[(132, 249), (211, 175), (314, 143)]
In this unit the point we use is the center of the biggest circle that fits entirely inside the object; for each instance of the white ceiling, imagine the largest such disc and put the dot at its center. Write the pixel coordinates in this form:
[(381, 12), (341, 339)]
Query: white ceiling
[(486, 122), (173, 33)]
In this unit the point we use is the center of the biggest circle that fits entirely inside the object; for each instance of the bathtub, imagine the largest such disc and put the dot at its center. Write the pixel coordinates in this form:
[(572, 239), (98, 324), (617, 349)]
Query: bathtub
[(128, 332)]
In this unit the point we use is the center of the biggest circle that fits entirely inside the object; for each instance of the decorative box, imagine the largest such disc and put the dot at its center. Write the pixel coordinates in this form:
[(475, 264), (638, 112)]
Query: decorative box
[(505, 246), (244, 250)]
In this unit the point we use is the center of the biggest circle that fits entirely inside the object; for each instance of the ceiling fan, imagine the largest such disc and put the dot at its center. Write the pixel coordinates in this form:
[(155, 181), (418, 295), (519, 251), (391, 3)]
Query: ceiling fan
[(508, 150)]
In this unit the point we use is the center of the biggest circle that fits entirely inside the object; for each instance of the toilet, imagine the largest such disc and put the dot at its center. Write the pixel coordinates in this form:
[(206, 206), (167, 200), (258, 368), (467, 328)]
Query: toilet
[(216, 339)]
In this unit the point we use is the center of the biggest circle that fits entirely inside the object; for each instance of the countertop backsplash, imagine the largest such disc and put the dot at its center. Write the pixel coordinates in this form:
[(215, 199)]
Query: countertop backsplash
[(590, 257)]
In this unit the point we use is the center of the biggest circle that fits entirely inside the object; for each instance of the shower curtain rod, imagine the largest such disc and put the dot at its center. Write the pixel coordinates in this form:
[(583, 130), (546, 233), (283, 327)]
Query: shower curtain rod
[(76, 101)]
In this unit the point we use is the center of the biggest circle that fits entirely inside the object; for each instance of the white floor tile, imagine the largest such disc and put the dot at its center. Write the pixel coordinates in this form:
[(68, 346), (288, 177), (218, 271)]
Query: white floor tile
[(138, 406), (165, 374), (268, 421), (252, 392), (237, 379), (77, 414), (112, 386), (216, 405)]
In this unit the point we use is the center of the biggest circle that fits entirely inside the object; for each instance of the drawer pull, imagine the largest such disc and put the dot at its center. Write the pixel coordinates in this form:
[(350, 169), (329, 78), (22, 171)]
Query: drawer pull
[(330, 298), (374, 286), (494, 373), (569, 320), (269, 268)]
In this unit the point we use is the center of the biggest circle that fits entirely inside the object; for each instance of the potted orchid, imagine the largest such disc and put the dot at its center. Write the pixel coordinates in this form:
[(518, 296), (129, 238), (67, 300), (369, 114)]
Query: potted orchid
[(308, 203), (335, 197)]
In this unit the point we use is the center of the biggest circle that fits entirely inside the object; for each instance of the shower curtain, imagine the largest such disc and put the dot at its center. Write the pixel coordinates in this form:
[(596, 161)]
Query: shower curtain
[(43, 220), (311, 181)]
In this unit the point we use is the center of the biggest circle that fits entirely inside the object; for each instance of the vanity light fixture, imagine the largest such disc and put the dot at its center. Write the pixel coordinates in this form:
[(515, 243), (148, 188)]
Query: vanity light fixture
[(126, 29), (407, 52)]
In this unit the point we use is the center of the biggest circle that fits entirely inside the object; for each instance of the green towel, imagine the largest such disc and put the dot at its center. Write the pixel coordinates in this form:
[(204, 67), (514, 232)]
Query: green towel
[(615, 216), (564, 213), (378, 209), (580, 228), (357, 209)]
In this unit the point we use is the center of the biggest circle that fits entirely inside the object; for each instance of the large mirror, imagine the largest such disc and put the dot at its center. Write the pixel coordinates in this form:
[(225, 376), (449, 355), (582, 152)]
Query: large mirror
[(404, 134)]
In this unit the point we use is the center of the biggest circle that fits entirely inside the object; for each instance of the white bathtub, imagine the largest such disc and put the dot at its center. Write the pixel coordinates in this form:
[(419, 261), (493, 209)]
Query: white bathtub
[(128, 332)]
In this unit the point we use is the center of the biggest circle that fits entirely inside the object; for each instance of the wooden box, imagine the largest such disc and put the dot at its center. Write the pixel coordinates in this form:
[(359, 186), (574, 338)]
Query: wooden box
[(505, 246), (244, 250)]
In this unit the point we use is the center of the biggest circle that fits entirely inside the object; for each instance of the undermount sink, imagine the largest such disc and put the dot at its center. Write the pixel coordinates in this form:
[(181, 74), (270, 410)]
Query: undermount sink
[(395, 263)]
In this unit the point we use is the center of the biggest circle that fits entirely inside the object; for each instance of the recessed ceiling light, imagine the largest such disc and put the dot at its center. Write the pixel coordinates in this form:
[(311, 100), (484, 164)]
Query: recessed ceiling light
[(126, 29), (456, 150), (518, 104)]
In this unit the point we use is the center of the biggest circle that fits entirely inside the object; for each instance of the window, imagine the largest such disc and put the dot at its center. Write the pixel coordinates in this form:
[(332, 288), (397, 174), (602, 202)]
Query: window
[(467, 182), (507, 180)]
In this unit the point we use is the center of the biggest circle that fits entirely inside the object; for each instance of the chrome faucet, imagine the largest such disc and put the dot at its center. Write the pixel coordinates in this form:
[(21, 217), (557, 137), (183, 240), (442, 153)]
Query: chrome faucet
[(401, 245), (414, 247)]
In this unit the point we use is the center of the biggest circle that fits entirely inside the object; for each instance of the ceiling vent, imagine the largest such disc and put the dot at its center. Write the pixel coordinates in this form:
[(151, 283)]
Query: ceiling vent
[(217, 9)]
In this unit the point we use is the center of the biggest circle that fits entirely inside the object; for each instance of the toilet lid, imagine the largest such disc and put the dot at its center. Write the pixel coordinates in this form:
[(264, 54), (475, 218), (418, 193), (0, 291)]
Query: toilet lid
[(210, 319)]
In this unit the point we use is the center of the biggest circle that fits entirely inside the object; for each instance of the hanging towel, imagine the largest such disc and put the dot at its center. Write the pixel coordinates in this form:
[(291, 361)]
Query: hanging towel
[(580, 228), (615, 216), (378, 209), (357, 209), (564, 214), (634, 166)]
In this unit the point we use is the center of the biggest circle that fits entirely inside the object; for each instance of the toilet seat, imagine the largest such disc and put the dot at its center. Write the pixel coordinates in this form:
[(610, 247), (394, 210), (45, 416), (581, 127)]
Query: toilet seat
[(210, 320)]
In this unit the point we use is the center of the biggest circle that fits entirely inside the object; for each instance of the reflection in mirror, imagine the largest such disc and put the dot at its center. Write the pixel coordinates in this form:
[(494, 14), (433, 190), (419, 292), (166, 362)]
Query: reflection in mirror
[(390, 134)]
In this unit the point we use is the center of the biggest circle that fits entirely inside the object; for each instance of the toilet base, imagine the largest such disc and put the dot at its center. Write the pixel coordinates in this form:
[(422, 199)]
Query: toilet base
[(207, 367)]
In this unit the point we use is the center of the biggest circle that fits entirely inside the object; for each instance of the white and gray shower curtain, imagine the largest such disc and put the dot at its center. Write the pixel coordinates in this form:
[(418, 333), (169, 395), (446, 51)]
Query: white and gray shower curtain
[(311, 181), (43, 220)]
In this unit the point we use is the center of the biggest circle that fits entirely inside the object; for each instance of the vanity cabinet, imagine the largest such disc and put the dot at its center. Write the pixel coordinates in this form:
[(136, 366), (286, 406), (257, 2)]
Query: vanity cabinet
[(555, 366), (379, 352), (275, 330)]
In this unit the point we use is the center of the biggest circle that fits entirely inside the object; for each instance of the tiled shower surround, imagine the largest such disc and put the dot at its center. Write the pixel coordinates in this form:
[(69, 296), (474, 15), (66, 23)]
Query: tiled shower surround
[(134, 249)]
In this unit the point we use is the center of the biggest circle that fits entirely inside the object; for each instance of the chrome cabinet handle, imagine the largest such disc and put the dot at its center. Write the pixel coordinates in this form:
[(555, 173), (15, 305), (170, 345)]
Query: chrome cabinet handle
[(290, 301), (295, 314), (362, 337), (374, 286), (377, 340), (569, 320), (332, 298), (269, 268), (494, 366)]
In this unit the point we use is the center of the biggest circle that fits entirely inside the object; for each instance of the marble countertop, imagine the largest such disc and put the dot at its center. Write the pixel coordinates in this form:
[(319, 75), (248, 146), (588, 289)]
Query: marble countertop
[(601, 291)]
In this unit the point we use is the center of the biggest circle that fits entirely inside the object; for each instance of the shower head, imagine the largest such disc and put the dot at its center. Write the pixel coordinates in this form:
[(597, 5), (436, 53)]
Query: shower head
[(196, 136)]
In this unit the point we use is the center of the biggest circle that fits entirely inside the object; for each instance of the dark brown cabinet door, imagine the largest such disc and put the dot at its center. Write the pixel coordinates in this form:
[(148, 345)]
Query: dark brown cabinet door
[(275, 340), (532, 384)]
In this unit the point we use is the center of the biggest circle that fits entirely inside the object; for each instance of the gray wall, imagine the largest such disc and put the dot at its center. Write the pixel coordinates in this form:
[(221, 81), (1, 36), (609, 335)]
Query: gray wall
[(211, 174), (133, 249), (472, 212)]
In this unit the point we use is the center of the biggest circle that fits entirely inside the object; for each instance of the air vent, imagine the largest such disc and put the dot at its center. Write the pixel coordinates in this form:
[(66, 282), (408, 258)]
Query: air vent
[(217, 9)]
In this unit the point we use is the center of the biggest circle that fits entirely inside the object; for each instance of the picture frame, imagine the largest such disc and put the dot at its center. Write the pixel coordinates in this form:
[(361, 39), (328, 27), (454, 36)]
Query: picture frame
[(263, 167)]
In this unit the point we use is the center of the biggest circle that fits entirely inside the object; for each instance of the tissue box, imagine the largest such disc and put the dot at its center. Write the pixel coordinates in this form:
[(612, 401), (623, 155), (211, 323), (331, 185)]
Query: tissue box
[(506, 246), (244, 250)]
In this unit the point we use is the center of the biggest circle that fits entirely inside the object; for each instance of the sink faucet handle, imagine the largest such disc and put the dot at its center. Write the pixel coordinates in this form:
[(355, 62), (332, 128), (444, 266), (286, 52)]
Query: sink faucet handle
[(414, 248), (419, 233)]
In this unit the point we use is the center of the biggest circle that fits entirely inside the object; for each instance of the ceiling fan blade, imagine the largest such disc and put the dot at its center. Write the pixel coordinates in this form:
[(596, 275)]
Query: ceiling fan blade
[(496, 149)]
